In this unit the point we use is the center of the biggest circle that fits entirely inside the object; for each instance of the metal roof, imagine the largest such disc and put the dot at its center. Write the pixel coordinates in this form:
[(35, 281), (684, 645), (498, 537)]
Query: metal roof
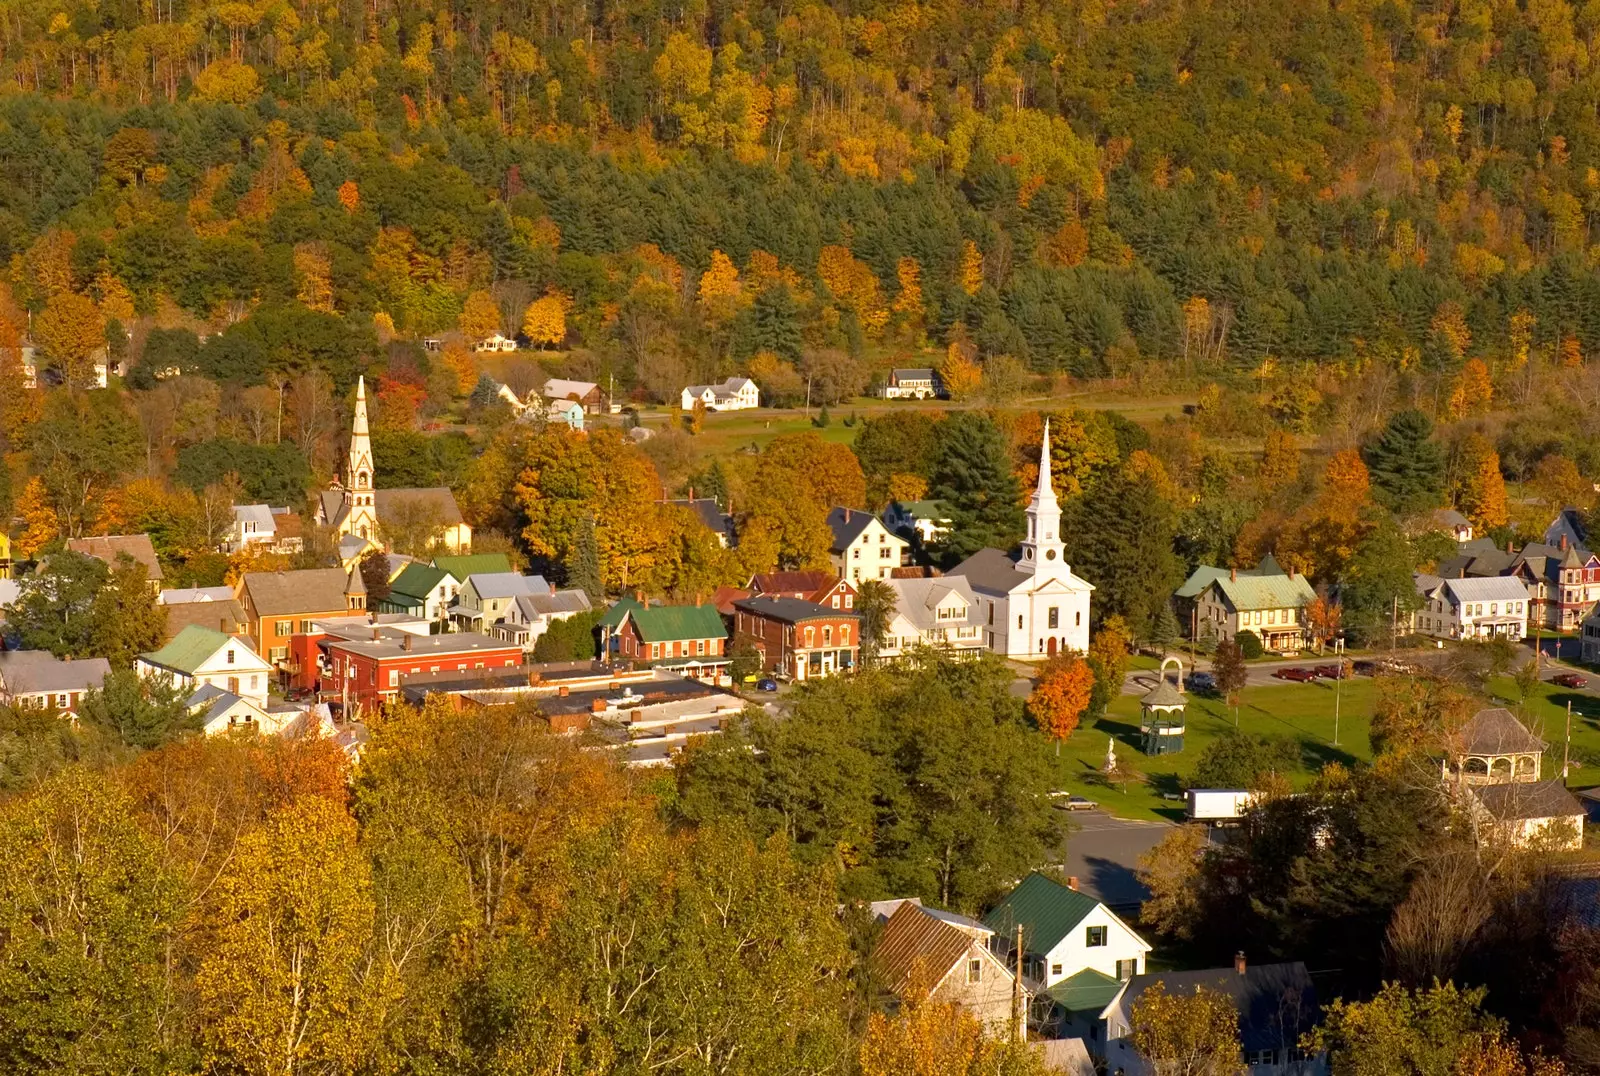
[(1521, 800), (1266, 591), (193, 647), (30, 671), (1089, 991), (1495, 731), (1047, 911)]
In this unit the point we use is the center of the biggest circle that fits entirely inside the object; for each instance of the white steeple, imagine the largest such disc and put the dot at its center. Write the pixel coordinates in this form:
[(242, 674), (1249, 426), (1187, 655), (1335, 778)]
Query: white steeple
[(1042, 549), (361, 516)]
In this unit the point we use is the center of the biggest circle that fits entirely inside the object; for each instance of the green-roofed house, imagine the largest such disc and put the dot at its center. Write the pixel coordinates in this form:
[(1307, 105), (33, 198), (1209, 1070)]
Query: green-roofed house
[(198, 656), (1064, 932), (686, 639), (1272, 605), (422, 590), (473, 563)]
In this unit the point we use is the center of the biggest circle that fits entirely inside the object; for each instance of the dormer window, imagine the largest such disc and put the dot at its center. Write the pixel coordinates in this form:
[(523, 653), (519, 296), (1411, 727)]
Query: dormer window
[(230, 656)]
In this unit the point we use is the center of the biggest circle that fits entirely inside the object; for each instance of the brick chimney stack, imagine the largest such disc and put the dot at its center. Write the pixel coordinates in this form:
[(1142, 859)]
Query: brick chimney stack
[(1233, 575), (1238, 962), (1072, 882)]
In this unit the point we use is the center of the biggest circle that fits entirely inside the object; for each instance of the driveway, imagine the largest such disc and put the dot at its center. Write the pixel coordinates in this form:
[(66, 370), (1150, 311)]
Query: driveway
[(1103, 854)]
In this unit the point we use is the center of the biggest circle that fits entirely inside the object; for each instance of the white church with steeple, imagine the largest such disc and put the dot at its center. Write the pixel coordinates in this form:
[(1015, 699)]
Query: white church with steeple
[(354, 506), (1030, 605)]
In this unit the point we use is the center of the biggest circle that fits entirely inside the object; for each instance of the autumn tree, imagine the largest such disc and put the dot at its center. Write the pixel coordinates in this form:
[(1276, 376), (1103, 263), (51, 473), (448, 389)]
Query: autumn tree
[(1400, 1032), (1473, 391), (960, 375), (1186, 1034), (1170, 872), (480, 316), (1230, 672), (1557, 482), (71, 331), (1110, 646), (1280, 463), (940, 1038), (970, 270), (1061, 696), (1481, 489), (875, 606), (545, 323)]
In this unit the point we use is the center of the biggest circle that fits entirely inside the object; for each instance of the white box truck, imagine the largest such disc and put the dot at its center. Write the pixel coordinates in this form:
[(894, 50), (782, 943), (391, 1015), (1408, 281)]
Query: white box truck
[(1218, 804)]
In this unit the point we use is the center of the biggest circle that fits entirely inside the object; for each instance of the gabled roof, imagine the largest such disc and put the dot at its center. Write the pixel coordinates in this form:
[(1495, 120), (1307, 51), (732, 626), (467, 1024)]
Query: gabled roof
[(559, 388), (990, 571), (1519, 800), (918, 599), (789, 610), (546, 603), (309, 590), (27, 672), (1277, 1003), (1490, 588), (1265, 591), (259, 514), (507, 584), (1047, 911), (912, 373), (1089, 991), (210, 614), (1163, 695), (620, 610), (1449, 517), (417, 582), (1495, 731), (709, 513), (439, 499), (917, 950), (790, 582), (1199, 579), (191, 648), (665, 623), (106, 548), (473, 563), (847, 525)]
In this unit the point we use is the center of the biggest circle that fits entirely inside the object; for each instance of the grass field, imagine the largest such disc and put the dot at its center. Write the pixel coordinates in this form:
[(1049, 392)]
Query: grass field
[(1301, 712)]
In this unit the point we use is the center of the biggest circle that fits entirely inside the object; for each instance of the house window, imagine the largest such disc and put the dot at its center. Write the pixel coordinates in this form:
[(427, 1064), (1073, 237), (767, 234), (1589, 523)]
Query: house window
[(1019, 621), (1127, 969), (1272, 616), (230, 657), (279, 653), (975, 971), (1055, 969), (1261, 1057), (1094, 937), (282, 628), (62, 701), (394, 677), (305, 627), (233, 684), (836, 601), (844, 634), (855, 554), (849, 601), (1055, 616), (700, 646), (254, 680), (827, 635), (655, 650), (1077, 619), (810, 633)]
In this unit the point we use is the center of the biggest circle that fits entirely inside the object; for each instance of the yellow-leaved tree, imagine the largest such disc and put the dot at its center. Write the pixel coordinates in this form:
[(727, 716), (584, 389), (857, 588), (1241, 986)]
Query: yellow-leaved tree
[(1473, 391), (480, 316), (40, 525), (971, 268), (1481, 494), (720, 288), (940, 1038), (71, 332), (960, 375), (286, 988), (545, 323)]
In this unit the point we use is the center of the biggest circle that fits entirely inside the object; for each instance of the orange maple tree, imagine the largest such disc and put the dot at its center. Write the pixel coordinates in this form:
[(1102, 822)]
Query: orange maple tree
[(1061, 697)]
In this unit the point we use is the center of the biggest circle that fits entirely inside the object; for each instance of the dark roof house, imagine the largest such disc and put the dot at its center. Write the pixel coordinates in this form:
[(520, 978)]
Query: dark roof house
[(108, 547), (1277, 1003)]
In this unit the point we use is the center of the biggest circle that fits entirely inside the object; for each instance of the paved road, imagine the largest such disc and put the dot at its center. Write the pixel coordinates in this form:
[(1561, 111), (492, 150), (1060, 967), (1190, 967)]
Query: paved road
[(1103, 854)]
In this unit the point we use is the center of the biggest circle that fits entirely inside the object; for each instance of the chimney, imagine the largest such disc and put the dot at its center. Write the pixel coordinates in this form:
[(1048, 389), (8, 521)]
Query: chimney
[(405, 644), (552, 588), (1563, 543), (691, 494), (1072, 882), (598, 706), (1233, 575), (1238, 962), (533, 678), (376, 634), (1509, 548), (847, 513), (563, 691)]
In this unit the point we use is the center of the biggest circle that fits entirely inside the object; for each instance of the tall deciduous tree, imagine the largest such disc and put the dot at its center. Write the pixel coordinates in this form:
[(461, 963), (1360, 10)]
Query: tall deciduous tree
[(875, 606), (1228, 667), (1190, 1034), (1482, 491), (1059, 700)]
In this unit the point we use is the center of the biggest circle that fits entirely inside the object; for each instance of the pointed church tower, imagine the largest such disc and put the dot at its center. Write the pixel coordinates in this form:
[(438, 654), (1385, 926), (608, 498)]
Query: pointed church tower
[(361, 518), (1042, 551)]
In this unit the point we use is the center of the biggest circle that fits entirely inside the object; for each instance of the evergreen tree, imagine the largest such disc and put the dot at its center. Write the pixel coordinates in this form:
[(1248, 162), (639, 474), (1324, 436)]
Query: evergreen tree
[(875, 606), (1406, 465), (775, 324), (139, 711), (1118, 536), (1164, 628), (485, 392), (971, 474), (583, 563)]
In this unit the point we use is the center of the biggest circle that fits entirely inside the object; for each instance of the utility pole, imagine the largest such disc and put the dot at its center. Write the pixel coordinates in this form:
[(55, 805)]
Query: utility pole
[(1566, 748), (1019, 1028)]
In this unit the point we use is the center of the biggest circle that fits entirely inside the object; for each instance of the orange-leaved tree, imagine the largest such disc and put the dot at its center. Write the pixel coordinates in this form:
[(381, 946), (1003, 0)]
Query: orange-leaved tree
[(1061, 697)]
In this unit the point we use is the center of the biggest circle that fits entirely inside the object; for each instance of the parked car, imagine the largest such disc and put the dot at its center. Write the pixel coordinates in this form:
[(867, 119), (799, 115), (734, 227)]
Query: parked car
[(1201, 681), (1297, 674), (1570, 680), (768, 684), (1365, 668), (1330, 672), (1066, 801)]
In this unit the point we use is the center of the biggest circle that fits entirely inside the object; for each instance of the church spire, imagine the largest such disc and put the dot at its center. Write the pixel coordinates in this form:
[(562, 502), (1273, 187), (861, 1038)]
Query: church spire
[(361, 516), (1042, 550)]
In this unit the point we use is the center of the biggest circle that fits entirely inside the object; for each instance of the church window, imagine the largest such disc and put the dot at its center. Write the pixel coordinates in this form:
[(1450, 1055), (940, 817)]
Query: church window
[(361, 480), (1019, 621), (1055, 617)]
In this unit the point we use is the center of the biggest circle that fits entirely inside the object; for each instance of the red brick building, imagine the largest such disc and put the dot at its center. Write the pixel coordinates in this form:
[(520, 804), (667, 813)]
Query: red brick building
[(824, 588), (372, 670), (798, 639)]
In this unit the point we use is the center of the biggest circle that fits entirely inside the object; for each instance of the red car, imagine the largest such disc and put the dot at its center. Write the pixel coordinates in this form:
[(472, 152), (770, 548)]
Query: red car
[(1299, 676), (1330, 672), (1570, 680)]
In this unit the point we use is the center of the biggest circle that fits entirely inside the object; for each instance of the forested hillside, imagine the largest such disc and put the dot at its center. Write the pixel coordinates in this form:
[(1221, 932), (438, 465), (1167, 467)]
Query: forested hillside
[(677, 189)]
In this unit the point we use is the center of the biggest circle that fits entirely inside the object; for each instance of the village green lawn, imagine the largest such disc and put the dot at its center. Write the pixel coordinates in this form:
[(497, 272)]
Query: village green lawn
[(1301, 712)]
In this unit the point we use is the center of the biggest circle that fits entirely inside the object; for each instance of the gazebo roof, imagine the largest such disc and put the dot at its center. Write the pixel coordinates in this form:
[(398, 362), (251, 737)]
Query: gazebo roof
[(1163, 697)]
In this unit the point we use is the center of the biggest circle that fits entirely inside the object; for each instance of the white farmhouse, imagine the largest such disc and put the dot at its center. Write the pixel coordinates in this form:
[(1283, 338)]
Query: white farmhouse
[(198, 656), (1491, 607), (920, 383), (1064, 932), (939, 612), (252, 525), (1033, 604), (863, 548), (734, 394)]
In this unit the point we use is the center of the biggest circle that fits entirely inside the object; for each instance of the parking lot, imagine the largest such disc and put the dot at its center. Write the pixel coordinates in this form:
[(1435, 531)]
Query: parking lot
[(1103, 853)]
